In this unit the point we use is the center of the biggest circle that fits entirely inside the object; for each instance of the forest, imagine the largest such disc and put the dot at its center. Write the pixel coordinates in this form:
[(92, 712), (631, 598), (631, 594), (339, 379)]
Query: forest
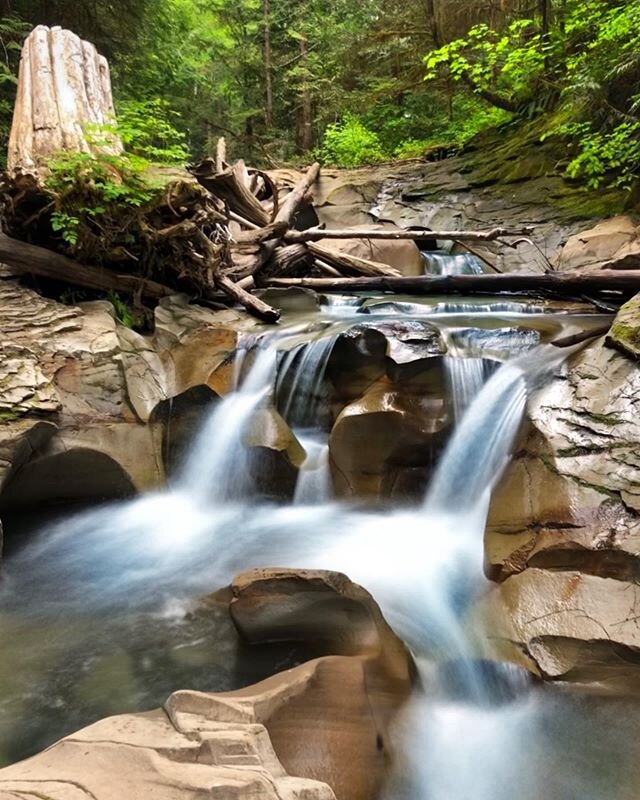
[(354, 82)]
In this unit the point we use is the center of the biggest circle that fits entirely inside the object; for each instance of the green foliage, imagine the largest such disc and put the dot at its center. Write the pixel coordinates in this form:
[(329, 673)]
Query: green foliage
[(580, 67), (148, 129), (350, 144), (124, 315), (605, 158), (92, 190)]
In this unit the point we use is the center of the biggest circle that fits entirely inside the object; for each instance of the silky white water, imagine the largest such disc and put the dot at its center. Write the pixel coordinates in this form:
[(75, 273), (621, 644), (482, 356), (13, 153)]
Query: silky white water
[(157, 553)]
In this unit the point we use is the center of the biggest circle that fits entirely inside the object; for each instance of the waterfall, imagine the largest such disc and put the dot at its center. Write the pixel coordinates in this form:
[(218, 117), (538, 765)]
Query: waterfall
[(216, 469), (423, 565), (300, 377), (444, 264)]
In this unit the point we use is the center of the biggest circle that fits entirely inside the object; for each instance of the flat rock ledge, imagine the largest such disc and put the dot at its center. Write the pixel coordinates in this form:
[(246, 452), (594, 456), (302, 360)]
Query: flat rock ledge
[(198, 746)]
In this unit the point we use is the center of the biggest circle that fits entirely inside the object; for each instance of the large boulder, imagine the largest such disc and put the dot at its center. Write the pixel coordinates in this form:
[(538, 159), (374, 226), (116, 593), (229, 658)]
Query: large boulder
[(563, 536), (386, 442), (274, 454), (614, 242)]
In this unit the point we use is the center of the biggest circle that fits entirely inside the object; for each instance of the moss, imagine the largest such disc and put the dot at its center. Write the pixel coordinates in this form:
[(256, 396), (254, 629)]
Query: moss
[(8, 416)]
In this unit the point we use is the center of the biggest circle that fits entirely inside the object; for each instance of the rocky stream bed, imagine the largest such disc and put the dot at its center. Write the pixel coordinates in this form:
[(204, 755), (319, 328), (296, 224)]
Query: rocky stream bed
[(92, 412)]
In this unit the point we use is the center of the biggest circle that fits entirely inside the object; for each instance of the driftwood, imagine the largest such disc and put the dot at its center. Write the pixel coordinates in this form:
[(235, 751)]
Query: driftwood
[(316, 234), (558, 283), (35, 260), (232, 186)]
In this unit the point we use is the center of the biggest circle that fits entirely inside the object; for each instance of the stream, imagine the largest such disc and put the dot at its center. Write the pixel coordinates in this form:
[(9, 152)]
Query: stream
[(101, 612)]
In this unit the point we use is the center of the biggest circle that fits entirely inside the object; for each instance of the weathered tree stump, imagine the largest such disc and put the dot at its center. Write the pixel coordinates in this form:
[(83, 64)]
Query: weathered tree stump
[(64, 88)]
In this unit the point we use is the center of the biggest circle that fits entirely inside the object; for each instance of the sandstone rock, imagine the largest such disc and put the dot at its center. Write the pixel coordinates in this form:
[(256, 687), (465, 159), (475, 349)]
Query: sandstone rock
[(318, 607), (365, 353), (402, 255), (400, 431), (197, 749), (181, 417), (291, 298), (555, 618), (319, 731), (614, 242), (275, 455)]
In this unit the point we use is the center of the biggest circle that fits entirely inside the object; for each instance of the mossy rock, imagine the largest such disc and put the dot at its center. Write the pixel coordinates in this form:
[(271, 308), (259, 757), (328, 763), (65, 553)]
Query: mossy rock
[(625, 331)]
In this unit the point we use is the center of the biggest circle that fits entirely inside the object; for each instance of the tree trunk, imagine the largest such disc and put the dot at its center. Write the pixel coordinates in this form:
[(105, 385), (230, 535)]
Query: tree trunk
[(55, 105), (565, 284), (268, 66), (306, 132)]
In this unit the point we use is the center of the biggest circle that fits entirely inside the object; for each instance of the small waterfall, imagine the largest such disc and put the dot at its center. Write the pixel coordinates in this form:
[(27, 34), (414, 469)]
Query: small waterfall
[(314, 479), (300, 378), (459, 264), (217, 466), (341, 304)]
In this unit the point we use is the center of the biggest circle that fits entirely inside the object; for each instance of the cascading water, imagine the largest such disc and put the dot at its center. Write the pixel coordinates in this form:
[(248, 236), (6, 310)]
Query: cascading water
[(445, 264), (152, 556)]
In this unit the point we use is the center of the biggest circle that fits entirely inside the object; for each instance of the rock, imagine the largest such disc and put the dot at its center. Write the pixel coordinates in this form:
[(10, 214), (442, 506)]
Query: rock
[(614, 242), (70, 476), (275, 454), (318, 607), (365, 353), (319, 731), (201, 746), (181, 417), (378, 436), (291, 298), (565, 621), (402, 255), (563, 533), (625, 331)]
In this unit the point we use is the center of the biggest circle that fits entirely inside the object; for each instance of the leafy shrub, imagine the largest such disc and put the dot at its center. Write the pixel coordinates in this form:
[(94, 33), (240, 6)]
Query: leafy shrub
[(412, 148), (605, 158), (147, 129), (350, 144), (91, 190)]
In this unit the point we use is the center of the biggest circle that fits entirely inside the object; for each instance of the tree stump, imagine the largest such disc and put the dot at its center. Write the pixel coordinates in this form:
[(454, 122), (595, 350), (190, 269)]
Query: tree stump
[(64, 88)]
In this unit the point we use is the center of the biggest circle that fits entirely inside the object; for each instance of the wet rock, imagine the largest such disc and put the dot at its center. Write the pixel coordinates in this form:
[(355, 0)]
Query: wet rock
[(365, 353), (323, 609), (383, 433), (291, 298), (570, 497), (554, 618), (319, 731), (75, 475), (201, 747), (625, 331), (275, 455), (180, 418)]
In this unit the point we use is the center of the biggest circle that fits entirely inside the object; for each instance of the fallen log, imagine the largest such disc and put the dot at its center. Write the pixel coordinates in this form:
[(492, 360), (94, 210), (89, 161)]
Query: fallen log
[(559, 283), (232, 187), (34, 260), (315, 234)]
